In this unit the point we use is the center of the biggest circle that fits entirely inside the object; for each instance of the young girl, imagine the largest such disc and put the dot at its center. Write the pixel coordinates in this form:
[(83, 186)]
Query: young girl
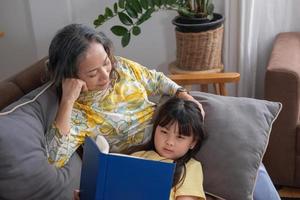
[(177, 135)]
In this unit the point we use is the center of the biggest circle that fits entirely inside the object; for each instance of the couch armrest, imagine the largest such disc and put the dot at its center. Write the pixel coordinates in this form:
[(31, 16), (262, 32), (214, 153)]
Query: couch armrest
[(282, 85)]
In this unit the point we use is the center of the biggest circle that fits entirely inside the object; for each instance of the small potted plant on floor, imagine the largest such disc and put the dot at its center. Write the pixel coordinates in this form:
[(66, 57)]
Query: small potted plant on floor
[(199, 31)]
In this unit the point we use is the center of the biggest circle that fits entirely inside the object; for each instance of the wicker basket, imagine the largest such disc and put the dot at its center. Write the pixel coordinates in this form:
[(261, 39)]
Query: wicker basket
[(200, 51)]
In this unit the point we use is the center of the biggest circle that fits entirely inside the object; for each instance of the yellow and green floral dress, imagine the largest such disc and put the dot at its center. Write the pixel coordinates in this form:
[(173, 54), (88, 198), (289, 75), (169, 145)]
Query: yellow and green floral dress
[(121, 113)]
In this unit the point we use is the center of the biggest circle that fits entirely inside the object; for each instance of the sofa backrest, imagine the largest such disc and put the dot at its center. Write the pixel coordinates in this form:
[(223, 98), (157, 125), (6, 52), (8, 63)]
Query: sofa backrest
[(23, 82)]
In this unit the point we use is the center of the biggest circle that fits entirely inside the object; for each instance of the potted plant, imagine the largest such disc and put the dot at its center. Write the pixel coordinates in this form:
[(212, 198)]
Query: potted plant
[(195, 18)]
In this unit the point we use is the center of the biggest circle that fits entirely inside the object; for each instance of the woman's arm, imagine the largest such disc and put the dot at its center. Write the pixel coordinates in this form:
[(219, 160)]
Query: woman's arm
[(156, 82), (71, 90), (62, 140)]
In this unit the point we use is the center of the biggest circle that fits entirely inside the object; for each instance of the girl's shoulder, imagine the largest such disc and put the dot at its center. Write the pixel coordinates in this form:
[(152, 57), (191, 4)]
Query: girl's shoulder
[(193, 163), (151, 155)]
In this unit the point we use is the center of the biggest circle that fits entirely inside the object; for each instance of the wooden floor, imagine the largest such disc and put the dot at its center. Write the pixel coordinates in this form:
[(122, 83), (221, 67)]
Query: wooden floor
[(288, 192)]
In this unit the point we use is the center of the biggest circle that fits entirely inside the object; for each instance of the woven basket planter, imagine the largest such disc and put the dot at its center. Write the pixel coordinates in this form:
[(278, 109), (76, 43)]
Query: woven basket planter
[(200, 51)]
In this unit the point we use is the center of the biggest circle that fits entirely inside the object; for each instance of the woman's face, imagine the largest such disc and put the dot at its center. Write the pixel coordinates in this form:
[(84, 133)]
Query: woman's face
[(95, 67), (169, 144)]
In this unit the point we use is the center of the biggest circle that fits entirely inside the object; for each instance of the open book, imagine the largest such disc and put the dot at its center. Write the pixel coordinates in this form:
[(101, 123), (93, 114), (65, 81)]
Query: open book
[(109, 176)]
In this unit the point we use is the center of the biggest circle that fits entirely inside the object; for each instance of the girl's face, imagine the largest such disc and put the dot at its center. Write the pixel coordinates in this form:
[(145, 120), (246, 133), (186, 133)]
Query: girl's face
[(169, 144), (95, 67)]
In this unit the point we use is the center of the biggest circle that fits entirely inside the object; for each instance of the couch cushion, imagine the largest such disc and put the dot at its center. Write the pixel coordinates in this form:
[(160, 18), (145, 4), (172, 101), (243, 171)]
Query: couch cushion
[(238, 132), (24, 169), (12, 93)]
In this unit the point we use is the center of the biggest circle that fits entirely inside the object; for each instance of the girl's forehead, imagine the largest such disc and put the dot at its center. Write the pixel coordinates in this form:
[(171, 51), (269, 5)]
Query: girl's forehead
[(171, 124)]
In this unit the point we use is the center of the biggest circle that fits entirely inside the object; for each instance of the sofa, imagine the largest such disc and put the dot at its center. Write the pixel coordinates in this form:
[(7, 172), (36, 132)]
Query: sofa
[(238, 133), (282, 84)]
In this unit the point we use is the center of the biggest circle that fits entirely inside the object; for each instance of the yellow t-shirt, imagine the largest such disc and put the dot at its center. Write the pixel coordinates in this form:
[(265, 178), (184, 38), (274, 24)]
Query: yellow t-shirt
[(193, 182)]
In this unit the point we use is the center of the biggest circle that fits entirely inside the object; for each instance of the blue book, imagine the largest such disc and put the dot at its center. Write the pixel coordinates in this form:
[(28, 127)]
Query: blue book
[(109, 176)]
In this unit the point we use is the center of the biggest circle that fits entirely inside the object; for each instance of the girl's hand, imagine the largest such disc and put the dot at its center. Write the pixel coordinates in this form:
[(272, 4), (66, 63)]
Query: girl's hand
[(76, 195), (71, 89)]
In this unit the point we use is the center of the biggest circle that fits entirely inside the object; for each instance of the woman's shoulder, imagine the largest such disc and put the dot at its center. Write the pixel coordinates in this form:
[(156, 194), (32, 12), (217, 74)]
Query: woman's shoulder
[(126, 63)]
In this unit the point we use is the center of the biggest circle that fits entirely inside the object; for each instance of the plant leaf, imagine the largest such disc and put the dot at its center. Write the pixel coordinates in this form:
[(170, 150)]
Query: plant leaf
[(151, 3), (144, 4), (125, 19), (136, 30), (115, 7), (131, 11), (136, 5), (210, 17), (99, 21), (125, 39), (145, 16), (210, 9), (119, 30), (157, 3), (171, 2), (121, 4), (108, 12)]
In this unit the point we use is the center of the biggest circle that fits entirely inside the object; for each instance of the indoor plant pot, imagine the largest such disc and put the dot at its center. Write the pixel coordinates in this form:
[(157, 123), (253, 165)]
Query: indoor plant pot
[(195, 16), (199, 43)]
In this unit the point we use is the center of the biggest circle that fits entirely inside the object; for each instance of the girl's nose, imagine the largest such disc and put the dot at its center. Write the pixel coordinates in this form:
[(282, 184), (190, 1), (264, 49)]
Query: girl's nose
[(170, 141)]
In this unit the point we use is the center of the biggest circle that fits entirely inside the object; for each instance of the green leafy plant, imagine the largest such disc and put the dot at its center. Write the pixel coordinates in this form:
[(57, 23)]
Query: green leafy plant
[(132, 13)]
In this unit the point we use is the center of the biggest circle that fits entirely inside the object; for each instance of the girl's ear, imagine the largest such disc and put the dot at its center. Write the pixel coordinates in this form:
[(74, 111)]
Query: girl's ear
[(193, 144)]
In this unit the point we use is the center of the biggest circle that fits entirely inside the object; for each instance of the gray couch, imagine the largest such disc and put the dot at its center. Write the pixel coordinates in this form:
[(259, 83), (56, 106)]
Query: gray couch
[(238, 132)]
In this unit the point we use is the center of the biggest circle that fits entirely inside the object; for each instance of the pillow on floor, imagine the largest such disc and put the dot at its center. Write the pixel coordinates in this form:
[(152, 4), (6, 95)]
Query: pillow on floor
[(24, 170), (238, 134)]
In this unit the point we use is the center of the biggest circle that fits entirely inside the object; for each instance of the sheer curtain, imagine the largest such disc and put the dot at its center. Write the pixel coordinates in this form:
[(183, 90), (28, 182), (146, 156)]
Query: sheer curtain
[(250, 29)]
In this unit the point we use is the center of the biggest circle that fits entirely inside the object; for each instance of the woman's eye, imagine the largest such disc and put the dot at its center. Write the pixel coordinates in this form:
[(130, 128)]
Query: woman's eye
[(164, 132), (92, 75)]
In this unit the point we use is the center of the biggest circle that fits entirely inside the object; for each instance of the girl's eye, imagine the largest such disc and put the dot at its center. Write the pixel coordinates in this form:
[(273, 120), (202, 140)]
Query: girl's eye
[(164, 132), (180, 137)]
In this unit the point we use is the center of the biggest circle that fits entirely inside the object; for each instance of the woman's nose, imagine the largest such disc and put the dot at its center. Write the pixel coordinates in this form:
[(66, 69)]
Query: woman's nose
[(104, 74)]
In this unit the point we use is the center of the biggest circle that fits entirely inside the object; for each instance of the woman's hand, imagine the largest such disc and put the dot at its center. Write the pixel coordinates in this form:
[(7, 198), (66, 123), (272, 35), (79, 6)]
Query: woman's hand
[(186, 96), (71, 90)]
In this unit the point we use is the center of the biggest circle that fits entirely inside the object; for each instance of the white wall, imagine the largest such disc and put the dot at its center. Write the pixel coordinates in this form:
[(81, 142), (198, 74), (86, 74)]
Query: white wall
[(29, 26), (17, 47)]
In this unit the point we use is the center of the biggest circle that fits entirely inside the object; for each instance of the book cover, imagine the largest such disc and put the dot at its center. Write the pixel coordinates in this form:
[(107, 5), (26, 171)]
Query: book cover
[(109, 176)]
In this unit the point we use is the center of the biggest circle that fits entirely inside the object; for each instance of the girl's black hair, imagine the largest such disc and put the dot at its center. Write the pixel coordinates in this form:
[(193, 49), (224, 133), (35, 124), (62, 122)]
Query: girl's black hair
[(68, 46), (190, 123)]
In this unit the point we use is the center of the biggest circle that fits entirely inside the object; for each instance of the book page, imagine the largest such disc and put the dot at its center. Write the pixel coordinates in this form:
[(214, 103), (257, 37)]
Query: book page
[(102, 144)]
